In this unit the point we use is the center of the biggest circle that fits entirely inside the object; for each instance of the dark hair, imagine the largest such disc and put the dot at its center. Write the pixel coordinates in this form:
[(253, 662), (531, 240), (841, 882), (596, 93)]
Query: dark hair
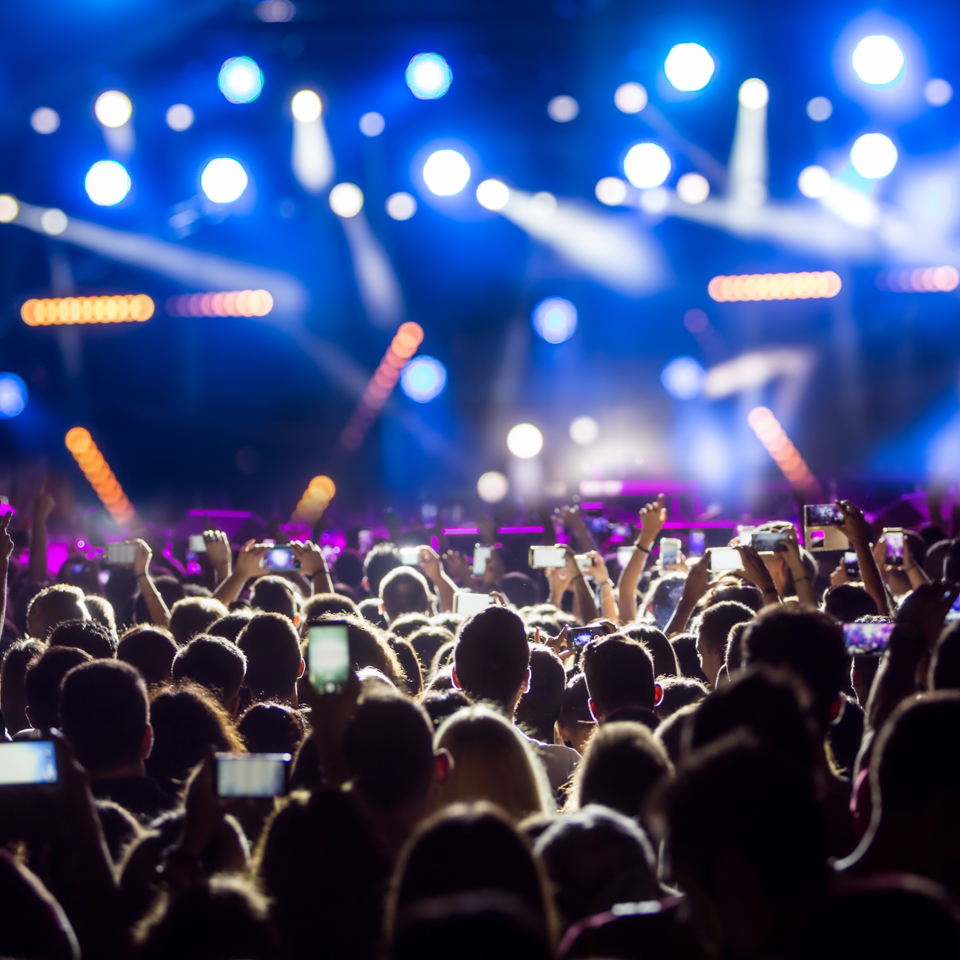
[(212, 662), (369, 648), (519, 589), (52, 606), (409, 663), (379, 561), (192, 616), (717, 621), (274, 595), (426, 642), (679, 692), (685, 647), (619, 673), (404, 590), (12, 673), (658, 646), (271, 728), (733, 656), (744, 593), (151, 650), (441, 704), (87, 635), (575, 703), (492, 656), (409, 623), (230, 626), (170, 590), (945, 665), (101, 610), (321, 603), (539, 708), (42, 683), (272, 649), (847, 602), (370, 610), (348, 568)]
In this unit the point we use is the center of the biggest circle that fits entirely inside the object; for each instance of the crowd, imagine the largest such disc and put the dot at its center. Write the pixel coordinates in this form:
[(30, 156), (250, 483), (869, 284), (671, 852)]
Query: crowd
[(653, 760)]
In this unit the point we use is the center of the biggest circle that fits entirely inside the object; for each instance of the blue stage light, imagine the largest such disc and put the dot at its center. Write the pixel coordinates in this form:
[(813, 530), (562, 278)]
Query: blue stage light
[(689, 67), (107, 183), (683, 378), (223, 180), (446, 172), (428, 76), (555, 319), (240, 80), (873, 156), (877, 60), (646, 165), (423, 378), (13, 395)]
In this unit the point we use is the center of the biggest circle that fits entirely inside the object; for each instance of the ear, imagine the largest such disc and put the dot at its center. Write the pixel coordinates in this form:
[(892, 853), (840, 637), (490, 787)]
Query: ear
[(456, 679), (527, 682), (657, 694), (296, 619), (147, 745), (593, 710), (443, 764), (836, 709), (302, 668)]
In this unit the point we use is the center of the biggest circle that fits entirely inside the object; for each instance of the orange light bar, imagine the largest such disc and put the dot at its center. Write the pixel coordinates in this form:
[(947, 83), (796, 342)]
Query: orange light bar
[(116, 309), (315, 499), (101, 478), (921, 280), (404, 345), (775, 286), (229, 303), (785, 455)]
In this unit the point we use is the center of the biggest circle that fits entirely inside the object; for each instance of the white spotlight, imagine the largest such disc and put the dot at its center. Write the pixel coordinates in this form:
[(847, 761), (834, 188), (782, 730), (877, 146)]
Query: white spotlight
[(689, 67), (446, 172), (937, 93), (400, 206), (180, 117), (611, 190), (646, 165), (754, 94), (223, 180), (873, 155), (814, 182), (693, 188), (543, 204), (630, 97), (45, 120), (493, 194), (107, 183), (53, 221), (524, 441), (113, 108), (372, 124), (877, 60), (819, 109), (563, 109), (584, 430), (9, 208), (654, 200), (306, 106), (492, 486), (346, 200)]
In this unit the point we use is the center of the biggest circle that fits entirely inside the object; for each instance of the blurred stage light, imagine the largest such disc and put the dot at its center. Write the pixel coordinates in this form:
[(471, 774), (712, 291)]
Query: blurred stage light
[(755, 369), (555, 319), (563, 109), (693, 188), (13, 395), (53, 221), (814, 182), (107, 183), (401, 206), (920, 280), (630, 97), (60, 310), (754, 94), (45, 120), (543, 204), (306, 106), (819, 109), (228, 303), (428, 76), (584, 430), (492, 486), (937, 92), (223, 180), (446, 172), (873, 155), (372, 124), (9, 208), (775, 286), (180, 117), (346, 199), (611, 190), (654, 200), (275, 11), (524, 441), (100, 476), (315, 500), (113, 108), (423, 378), (646, 165), (785, 455), (696, 320), (493, 194), (683, 378), (689, 67), (877, 60), (240, 80)]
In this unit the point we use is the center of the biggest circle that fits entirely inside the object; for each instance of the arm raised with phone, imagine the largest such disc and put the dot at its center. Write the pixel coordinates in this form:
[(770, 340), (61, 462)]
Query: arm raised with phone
[(857, 531), (652, 518)]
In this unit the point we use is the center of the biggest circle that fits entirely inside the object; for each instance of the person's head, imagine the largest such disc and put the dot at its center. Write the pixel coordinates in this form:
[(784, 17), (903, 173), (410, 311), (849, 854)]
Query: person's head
[(715, 625), (379, 561), (492, 657), (105, 716), (619, 674), (519, 589), (848, 602), (745, 593), (370, 611), (575, 723), (229, 627), (678, 692), (326, 603), (404, 590), (539, 708), (192, 616), (733, 657), (53, 606), (151, 650), (945, 665), (348, 568), (271, 728), (492, 761), (658, 646), (441, 704), (274, 664), (685, 647), (408, 623), (368, 648), (13, 697), (42, 684), (87, 635), (426, 642), (101, 610), (214, 663), (274, 595)]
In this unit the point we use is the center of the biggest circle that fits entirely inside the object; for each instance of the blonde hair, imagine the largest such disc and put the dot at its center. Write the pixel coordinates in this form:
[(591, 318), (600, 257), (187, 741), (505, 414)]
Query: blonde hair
[(492, 761)]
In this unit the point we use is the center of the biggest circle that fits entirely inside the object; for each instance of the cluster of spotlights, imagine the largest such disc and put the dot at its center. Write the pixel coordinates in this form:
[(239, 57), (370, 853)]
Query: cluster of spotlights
[(315, 499), (775, 286), (920, 280), (228, 303), (98, 473), (68, 310)]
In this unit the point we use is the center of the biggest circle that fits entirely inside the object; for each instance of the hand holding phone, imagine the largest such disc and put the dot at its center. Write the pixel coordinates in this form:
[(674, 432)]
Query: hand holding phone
[(893, 538), (481, 555), (252, 774), (467, 603), (410, 556), (28, 763), (280, 558), (861, 638), (725, 559), (328, 656), (542, 557)]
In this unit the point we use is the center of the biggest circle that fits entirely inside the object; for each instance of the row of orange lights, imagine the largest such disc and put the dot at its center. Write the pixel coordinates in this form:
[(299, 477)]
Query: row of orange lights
[(404, 345), (315, 499), (58, 310), (785, 455), (229, 303), (98, 473), (921, 280), (775, 286)]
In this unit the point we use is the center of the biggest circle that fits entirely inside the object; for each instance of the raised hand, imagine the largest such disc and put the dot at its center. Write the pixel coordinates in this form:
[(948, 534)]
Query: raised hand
[(250, 559), (457, 566), (141, 562), (43, 503), (652, 518), (310, 556), (854, 524), (218, 552)]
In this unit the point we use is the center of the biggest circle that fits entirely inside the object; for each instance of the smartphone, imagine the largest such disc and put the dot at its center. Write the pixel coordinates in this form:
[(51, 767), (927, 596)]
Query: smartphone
[(410, 556), (76, 568), (197, 544), (893, 537), (698, 543), (280, 558), (121, 552), (820, 522), (666, 598), (481, 555), (579, 638), (851, 565), (328, 656), (252, 774), (768, 541), (867, 637), (27, 762), (669, 551), (823, 515), (584, 562), (469, 603), (725, 558), (541, 557), (624, 554)]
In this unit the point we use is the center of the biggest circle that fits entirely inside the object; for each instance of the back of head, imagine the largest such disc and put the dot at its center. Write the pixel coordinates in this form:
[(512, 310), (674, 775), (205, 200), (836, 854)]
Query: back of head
[(404, 590), (104, 714), (441, 704), (619, 674), (101, 610), (492, 656), (539, 708), (348, 568), (192, 616), (274, 595), (324, 603), (685, 647), (151, 650), (409, 623), (678, 692), (746, 593), (369, 648), (370, 611), (519, 589), (13, 698), (272, 648), (271, 728), (87, 635), (847, 602), (42, 683), (658, 646), (426, 642), (379, 561), (212, 662), (945, 666), (733, 657), (717, 621), (53, 606), (229, 627), (575, 703)]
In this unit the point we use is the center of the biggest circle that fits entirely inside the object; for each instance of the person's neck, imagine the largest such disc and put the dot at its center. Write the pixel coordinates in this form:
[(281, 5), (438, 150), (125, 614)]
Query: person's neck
[(396, 826), (130, 770)]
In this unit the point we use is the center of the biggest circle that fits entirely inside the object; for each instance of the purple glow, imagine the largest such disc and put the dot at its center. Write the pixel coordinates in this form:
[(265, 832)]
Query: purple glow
[(520, 530), (460, 531)]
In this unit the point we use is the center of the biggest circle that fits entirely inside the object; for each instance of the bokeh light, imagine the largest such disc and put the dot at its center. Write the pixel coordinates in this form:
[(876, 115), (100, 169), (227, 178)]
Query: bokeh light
[(630, 97), (423, 378), (814, 182), (877, 60), (493, 194), (372, 124), (937, 92), (819, 109), (446, 172), (113, 108), (224, 303), (60, 310), (428, 76), (873, 155), (563, 109), (9, 208), (492, 486), (180, 117), (524, 441), (611, 190), (584, 430), (306, 106), (683, 378), (689, 67), (554, 319), (53, 222), (346, 200), (223, 180), (275, 11), (693, 188), (13, 395), (107, 183), (240, 80), (45, 120), (401, 206), (753, 94), (646, 165)]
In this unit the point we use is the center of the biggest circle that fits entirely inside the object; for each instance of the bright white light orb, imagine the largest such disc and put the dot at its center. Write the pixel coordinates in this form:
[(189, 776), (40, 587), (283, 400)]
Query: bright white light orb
[(492, 486), (555, 319), (107, 183), (524, 441), (400, 206), (819, 109), (646, 165), (630, 97), (446, 172), (873, 155), (240, 80), (654, 200), (689, 67), (9, 208), (423, 378), (13, 395), (113, 108), (428, 76), (372, 124), (814, 182), (306, 106), (584, 430), (275, 11), (937, 92), (693, 188), (493, 194), (611, 190), (683, 378), (223, 180), (45, 120), (53, 221), (877, 60), (543, 204), (346, 200), (180, 117), (754, 94), (563, 109)]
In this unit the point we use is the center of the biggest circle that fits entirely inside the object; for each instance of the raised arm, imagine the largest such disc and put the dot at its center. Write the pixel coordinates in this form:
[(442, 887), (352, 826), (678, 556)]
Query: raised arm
[(694, 587), (608, 602), (6, 548), (433, 569), (43, 505), (572, 519), (652, 518), (218, 553), (805, 592), (313, 565), (584, 607), (857, 529), (248, 565), (159, 614), (757, 573)]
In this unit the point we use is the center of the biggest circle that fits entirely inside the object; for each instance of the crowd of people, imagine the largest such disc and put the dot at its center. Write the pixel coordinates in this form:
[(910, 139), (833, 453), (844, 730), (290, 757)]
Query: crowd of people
[(647, 760)]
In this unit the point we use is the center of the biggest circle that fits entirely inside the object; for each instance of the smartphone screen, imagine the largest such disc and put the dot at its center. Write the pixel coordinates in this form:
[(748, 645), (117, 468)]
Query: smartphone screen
[(954, 612), (851, 564), (584, 562), (867, 637), (725, 558), (410, 556), (542, 557), (27, 762), (823, 515), (121, 552), (768, 541), (481, 555), (328, 657), (470, 603), (197, 544), (669, 551), (894, 541), (624, 554), (280, 558), (698, 543), (252, 774), (578, 639)]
